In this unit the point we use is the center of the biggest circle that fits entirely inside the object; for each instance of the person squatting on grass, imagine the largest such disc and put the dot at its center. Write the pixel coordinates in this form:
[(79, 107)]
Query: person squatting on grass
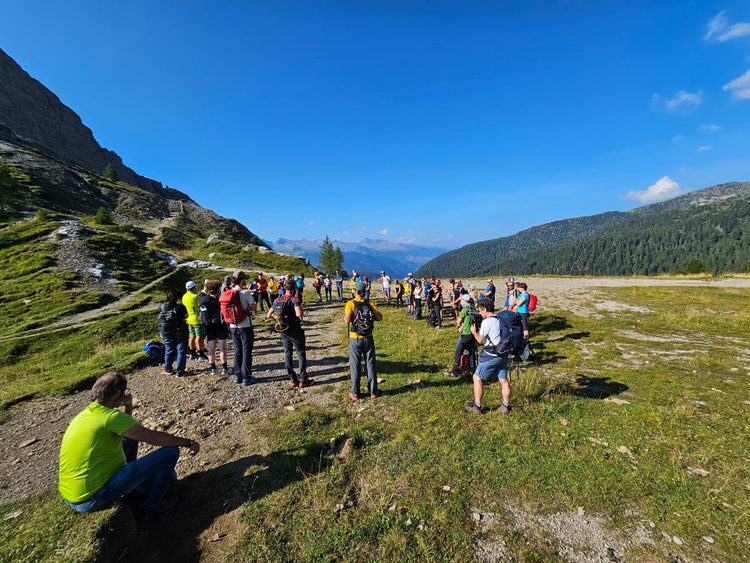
[(173, 330), (195, 330), (287, 310), (216, 329), (491, 362), (360, 315), (99, 461)]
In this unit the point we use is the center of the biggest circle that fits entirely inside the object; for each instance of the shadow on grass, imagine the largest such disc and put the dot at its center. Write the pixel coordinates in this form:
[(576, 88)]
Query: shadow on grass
[(391, 367), (584, 386), (210, 494), (548, 323)]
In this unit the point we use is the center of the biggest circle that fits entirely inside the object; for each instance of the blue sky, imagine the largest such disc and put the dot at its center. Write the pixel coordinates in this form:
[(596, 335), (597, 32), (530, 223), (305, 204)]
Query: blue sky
[(438, 122)]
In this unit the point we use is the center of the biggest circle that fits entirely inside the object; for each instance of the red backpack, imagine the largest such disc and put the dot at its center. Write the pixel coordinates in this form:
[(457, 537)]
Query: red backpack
[(231, 307), (532, 302)]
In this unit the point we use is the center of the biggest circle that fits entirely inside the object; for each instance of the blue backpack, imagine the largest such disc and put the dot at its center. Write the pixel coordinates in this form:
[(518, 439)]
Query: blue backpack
[(154, 350)]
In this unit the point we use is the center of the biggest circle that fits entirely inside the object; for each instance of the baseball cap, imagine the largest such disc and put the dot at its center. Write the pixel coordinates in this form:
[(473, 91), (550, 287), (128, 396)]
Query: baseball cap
[(472, 286), (465, 297), (409, 274), (360, 286), (190, 285)]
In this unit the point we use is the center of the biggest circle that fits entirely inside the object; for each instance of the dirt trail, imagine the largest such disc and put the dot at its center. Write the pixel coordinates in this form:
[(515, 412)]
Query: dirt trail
[(212, 409)]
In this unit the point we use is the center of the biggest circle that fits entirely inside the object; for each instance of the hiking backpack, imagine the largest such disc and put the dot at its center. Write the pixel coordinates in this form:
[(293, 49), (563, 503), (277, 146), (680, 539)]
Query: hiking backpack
[(532, 302), (283, 312), (154, 350), (169, 321), (512, 342), (231, 307), (210, 310), (363, 320)]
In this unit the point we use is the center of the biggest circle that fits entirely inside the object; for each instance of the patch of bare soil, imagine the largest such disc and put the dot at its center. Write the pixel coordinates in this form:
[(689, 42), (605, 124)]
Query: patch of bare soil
[(215, 410)]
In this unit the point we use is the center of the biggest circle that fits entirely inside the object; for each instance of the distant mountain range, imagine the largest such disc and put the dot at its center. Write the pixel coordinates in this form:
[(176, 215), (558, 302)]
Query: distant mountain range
[(711, 225), (368, 256)]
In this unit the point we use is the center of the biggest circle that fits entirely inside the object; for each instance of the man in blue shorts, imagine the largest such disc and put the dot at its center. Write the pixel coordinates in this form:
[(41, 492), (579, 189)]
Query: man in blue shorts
[(491, 362)]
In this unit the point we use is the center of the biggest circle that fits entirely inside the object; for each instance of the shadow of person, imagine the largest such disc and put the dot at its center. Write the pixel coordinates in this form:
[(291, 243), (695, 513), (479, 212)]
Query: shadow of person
[(207, 495), (597, 387)]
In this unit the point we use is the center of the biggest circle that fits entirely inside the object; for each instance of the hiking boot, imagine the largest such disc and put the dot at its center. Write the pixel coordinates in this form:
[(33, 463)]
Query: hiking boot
[(452, 373), (237, 379), (472, 408), (505, 410), (213, 371), (224, 371), (305, 383), (353, 397), (165, 372), (201, 358), (248, 381)]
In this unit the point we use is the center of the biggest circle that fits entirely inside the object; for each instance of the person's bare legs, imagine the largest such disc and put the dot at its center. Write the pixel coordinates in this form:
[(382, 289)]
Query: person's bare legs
[(223, 352), (479, 390), (505, 388)]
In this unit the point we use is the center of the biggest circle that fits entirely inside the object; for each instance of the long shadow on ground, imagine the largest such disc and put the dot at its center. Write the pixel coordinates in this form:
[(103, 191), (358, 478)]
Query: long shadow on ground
[(209, 494)]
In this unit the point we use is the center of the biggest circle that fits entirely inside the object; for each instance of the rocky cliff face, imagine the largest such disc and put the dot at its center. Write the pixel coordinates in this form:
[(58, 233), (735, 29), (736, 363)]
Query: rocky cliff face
[(31, 114)]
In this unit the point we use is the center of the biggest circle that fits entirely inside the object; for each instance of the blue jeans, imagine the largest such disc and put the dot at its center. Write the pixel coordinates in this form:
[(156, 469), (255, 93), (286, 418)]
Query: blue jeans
[(340, 291), (359, 349), (152, 476), (243, 339), (174, 348)]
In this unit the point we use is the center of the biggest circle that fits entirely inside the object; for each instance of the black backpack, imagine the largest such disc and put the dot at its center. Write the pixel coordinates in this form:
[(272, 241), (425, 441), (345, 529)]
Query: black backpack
[(363, 320), (167, 319), (283, 312), (512, 342), (210, 310)]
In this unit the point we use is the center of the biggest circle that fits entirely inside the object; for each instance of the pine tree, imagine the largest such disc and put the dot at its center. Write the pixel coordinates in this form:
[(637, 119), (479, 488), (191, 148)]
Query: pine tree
[(339, 259), (109, 172), (327, 257)]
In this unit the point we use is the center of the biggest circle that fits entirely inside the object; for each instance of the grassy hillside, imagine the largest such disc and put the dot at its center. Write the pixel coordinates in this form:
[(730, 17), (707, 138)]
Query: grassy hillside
[(709, 225)]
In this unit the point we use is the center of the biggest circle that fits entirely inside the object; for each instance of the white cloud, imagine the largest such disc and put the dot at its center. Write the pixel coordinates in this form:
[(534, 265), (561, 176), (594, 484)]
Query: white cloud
[(684, 101), (739, 87), (711, 128), (310, 223), (663, 188), (678, 138), (703, 148), (719, 29), (383, 232), (345, 232)]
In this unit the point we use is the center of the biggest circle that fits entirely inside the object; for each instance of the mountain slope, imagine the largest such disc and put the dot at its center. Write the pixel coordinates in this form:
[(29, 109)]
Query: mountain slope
[(709, 224), (475, 259)]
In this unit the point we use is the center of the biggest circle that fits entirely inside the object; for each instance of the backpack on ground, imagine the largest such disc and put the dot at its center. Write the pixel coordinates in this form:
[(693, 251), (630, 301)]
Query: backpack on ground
[(155, 350), (512, 342), (231, 307), (532, 302), (283, 312), (363, 320), (210, 310)]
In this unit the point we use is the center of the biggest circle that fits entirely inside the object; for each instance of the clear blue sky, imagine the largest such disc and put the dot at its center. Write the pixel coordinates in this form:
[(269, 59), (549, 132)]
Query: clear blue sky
[(445, 122)]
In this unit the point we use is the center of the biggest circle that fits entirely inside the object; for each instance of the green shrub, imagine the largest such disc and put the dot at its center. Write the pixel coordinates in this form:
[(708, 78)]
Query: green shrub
[(695, 266), (103, 217)]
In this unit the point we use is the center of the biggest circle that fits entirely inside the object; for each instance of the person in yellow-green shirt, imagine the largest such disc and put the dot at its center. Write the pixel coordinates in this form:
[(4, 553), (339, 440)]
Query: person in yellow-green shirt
[(98, 454), (196, 331), (360, 314)]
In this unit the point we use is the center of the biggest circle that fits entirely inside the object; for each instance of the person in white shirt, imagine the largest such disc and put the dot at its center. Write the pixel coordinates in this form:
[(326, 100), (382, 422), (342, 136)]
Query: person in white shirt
[(491, 362), (386, 281)]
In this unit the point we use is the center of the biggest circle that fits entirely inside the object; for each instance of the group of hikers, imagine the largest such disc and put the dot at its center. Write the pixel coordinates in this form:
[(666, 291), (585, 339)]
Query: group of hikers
[(98, 455)]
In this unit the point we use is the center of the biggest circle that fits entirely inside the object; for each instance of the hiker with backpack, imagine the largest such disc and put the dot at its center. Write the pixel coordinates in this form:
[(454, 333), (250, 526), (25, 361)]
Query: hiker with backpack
[(494, 359), (287, 310), (417, 298), (318, 284), (399, 293), (237, 306), (273, 289), (327, 285), (522, 306), (300, 285), (99, 464), (360, 316), (436, 297), (173, 330), (338, 279), (216, 328), (466, 341), (385, 279), (196, 333), (263, 299)]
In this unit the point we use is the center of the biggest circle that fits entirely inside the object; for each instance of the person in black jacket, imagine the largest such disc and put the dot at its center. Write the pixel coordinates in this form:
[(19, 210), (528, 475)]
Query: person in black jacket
[(173, 330), (216, 329)]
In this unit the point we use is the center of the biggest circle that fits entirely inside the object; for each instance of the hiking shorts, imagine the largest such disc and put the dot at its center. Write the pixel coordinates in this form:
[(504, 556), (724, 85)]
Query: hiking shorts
[(493, 367), (197, 330), (216, 332)]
